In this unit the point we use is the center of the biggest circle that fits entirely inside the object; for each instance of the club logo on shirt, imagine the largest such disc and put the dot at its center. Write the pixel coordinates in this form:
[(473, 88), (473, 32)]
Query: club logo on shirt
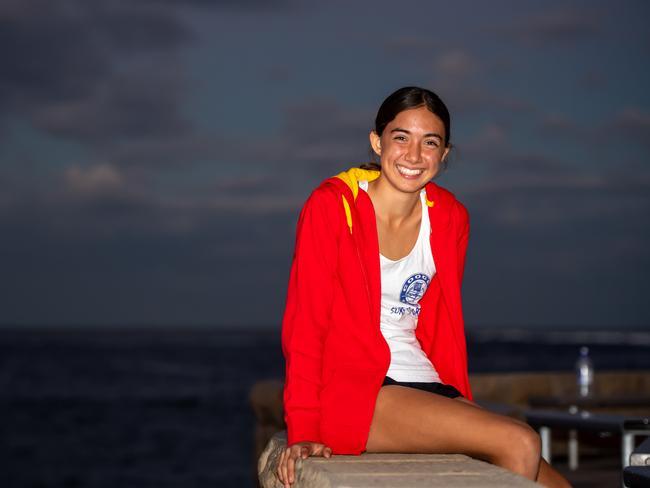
[(414, 288)]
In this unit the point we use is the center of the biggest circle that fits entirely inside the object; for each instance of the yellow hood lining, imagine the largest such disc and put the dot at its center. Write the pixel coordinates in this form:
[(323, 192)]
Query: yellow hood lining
[(351, 178)]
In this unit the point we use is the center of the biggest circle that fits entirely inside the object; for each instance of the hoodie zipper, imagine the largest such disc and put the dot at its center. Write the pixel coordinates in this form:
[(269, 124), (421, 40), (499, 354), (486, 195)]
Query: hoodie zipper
[(370, 305)]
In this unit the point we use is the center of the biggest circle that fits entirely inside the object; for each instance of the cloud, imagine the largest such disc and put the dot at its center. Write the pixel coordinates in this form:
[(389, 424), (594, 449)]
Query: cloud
[(179, 151), (556, 123), (559, 25), (121, 107), (163, 218), (409, 44), (104, 199), (456, 75), (559, 246), (315, 117), (547, 232), (633, 123), (492, 145), (630, 124), (92, 71), (47, 59), (490, 137), (94, 179), (528, 189), (593, 80), (279, 72), (140, 274), (320, 136), (138, 27), (456, 64), (538, 201), (246, 5)]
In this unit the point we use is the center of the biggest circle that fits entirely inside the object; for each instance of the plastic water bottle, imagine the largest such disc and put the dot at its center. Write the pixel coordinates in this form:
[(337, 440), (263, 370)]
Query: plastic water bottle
[(585, 372)]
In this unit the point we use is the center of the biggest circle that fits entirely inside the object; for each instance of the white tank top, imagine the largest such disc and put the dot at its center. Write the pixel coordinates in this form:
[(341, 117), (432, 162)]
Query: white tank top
[(403, 283)]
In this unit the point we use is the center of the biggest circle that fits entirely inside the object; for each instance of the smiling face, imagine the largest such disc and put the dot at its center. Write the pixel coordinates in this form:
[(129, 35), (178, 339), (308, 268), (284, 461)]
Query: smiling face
[(412, 149)]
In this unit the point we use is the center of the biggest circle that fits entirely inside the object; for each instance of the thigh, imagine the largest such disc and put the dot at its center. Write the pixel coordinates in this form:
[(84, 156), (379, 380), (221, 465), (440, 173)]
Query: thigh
[(409, 420)]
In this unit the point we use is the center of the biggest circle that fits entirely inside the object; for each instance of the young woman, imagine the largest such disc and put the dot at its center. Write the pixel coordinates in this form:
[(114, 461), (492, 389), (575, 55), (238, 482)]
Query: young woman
[(373, 332)]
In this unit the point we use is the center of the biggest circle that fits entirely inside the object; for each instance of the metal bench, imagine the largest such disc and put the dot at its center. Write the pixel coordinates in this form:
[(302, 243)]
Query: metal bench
[(637, 474), (627, 428)]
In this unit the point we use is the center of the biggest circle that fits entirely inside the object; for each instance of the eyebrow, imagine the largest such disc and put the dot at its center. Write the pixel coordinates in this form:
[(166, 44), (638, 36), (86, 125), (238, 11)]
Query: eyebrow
[(430, 134)]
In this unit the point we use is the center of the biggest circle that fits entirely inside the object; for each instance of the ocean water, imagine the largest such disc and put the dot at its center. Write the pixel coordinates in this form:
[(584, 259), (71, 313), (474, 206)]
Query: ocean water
[(169, 408)]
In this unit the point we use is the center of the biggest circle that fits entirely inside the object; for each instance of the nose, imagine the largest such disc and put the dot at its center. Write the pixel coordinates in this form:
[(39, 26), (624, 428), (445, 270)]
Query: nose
[(412, 153)]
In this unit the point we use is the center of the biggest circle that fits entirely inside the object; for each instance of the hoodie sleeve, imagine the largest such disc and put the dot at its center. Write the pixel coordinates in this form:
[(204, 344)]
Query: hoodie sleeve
[(306, 316), (463, 237)]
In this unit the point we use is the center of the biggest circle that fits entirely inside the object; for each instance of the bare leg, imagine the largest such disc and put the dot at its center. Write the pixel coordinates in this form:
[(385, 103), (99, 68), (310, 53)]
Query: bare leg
[(548, 476), (410, 420)]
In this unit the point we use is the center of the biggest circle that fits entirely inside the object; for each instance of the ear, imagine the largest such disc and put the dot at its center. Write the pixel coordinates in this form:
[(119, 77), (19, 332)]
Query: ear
[(375, 143), (444, 154)]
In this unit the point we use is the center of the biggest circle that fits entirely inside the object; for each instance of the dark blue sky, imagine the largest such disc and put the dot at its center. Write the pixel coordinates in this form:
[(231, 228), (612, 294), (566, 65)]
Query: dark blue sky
[(154, 155)]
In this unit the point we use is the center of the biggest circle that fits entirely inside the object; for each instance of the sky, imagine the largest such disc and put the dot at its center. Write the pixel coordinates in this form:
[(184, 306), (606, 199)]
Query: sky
[(154, 155)]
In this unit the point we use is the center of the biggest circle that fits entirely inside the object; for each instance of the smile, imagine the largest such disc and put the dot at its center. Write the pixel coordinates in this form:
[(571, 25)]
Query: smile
[(409, 173)]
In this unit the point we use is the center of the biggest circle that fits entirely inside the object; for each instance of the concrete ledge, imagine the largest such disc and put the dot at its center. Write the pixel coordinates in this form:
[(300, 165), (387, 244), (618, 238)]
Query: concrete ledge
[(387, 470)]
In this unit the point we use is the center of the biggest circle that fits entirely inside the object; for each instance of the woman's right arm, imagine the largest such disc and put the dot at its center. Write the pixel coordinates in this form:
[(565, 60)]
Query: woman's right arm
[(307, 312)]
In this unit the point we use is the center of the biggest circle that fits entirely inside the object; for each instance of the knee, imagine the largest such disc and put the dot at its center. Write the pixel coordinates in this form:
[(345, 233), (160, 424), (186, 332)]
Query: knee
[(523, 450), (530, 443)]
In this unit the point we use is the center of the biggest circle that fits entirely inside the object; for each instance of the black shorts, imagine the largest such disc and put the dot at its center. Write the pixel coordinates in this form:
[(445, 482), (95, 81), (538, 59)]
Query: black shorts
[(437, 388)]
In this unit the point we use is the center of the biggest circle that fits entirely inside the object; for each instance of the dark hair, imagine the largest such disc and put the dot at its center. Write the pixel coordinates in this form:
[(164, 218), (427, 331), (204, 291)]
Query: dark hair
[(407, 98), (412, 97)]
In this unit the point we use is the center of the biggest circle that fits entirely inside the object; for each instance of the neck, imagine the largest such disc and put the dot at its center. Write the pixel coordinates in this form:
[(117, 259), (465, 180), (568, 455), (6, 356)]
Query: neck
[(391, 205)]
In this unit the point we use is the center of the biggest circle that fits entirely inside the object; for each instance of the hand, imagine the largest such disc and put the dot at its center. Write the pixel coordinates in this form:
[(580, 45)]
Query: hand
[(287, 464)]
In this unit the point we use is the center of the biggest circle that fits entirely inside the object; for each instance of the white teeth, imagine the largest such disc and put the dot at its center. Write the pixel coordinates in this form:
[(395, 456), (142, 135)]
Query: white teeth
[(409, 172)]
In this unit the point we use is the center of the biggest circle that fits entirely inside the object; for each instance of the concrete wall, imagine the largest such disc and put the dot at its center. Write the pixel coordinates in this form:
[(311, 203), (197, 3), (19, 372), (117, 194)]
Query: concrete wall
[(387, 471)]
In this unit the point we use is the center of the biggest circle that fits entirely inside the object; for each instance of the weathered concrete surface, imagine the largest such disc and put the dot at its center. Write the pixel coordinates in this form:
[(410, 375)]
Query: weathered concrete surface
[(387, 471)]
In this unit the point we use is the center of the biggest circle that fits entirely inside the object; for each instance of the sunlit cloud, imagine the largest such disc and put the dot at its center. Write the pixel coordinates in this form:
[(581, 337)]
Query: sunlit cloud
[(456, 64), (94, 179)]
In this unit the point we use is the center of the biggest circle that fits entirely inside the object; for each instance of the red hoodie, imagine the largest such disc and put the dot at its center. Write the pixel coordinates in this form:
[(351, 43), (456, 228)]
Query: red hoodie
[(336, 356)]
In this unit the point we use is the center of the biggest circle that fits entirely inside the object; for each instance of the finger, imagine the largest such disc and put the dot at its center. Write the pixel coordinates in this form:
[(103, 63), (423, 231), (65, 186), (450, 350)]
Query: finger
[(304, 452), (285, 475), (291, 466), (327, 452), (283, 466), (279, 470)]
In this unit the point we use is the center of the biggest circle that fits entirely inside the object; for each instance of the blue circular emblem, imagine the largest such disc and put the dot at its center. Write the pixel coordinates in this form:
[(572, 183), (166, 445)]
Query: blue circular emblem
[(414, 288)]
